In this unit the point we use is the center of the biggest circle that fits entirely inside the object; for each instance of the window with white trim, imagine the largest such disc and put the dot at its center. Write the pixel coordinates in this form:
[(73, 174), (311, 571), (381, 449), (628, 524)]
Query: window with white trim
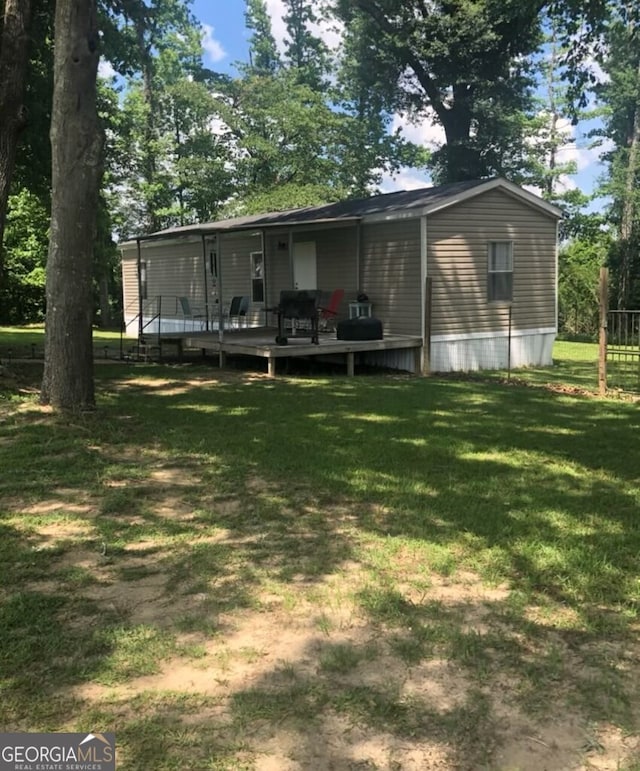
[(500, 271), (257, 277)]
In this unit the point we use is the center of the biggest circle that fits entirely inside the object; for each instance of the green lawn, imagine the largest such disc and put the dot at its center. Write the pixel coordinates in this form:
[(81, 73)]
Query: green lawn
[(28, 342), (575, 365), (387, 572)]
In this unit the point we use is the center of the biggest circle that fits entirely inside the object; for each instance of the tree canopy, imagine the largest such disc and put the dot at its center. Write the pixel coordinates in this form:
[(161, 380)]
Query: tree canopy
[(301, 123)]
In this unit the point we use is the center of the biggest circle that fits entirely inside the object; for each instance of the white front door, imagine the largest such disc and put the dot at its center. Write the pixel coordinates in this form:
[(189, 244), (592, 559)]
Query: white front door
[(304, 265)]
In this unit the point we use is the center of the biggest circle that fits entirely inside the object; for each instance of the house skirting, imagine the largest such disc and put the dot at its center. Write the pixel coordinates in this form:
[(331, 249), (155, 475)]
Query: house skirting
[(492, 350), (402, 360)]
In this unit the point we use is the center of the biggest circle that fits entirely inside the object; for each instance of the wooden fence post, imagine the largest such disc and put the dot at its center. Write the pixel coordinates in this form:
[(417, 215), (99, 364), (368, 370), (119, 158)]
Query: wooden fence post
[(603, 294)]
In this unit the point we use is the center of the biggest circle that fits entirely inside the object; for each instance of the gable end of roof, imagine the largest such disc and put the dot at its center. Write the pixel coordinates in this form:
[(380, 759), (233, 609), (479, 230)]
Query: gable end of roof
[(498, 183)]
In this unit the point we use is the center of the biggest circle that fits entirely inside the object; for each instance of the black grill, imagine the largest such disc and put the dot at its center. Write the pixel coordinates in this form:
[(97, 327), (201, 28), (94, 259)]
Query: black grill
[(299, 305)]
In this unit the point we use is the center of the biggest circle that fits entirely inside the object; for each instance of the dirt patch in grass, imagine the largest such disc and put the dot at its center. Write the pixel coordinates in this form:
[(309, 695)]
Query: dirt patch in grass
[(296, 693), (325, 674), (419, 596)]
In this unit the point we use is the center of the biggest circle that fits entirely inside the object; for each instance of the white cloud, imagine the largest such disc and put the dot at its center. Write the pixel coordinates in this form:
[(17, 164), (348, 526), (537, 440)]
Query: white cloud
[(426, 132), (583, 157), (105, 69), (276, 10), (406, 179), (596, 70), (330, 34), (533, 189), (212, 47)]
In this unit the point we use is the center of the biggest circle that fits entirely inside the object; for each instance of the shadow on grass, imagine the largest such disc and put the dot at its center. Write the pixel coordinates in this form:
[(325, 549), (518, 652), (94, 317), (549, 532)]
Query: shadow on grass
[(283, 481), (544, 485)]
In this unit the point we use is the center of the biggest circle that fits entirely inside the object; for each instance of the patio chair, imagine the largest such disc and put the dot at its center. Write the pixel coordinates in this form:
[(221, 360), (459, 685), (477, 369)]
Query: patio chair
[(192, 313), (329, 312), (238, 311)]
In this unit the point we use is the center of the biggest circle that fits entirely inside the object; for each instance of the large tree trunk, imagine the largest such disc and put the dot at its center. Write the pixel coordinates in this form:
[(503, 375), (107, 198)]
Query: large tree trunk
[(76, 144), (628, 246), (14, 58)]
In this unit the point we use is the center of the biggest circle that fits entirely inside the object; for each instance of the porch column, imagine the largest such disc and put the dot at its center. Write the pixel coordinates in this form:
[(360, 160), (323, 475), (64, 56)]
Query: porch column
[(206, 292), (139, 263)]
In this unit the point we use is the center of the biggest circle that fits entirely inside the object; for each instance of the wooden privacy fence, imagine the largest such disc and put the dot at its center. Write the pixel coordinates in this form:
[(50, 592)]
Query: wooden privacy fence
[(619, 357)]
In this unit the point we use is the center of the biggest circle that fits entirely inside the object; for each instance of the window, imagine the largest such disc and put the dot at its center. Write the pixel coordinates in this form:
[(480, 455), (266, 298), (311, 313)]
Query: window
[(500, 273), (257, 277), (143, 280)]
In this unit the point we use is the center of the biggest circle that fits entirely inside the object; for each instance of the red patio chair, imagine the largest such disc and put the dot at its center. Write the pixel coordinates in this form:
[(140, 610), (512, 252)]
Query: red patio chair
[(329, 312)]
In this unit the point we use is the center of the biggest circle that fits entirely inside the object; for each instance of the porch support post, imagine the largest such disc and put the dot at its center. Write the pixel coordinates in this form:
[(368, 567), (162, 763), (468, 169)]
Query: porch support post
[(265, 273), (220, 296), (271, 366), (291, 277), (358, 250), (351, 361), (139, 264), (206, 293)]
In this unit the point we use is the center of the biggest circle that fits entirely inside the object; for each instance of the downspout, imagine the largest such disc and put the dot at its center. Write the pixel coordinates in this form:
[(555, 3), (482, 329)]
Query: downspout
[(219, 285), (265, 287), (139, 258), (206, 293)]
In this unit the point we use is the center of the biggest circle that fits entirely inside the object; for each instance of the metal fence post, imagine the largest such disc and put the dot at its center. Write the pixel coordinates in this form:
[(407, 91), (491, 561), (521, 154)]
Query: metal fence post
[(603, 294)]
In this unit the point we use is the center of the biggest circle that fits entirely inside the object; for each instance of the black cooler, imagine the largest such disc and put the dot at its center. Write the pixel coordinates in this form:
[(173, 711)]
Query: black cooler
[(361, 328)]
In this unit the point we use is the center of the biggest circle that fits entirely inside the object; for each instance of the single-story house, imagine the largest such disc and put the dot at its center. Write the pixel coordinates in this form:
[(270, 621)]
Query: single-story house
[(470, 268)]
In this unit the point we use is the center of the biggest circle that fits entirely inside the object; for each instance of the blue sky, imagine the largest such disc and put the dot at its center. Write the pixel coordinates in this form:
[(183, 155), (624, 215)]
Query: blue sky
[(225, 35), (225, 42)]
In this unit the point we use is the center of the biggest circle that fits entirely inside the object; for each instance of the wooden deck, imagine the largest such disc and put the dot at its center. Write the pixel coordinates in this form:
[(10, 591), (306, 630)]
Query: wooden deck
[(260, 342)]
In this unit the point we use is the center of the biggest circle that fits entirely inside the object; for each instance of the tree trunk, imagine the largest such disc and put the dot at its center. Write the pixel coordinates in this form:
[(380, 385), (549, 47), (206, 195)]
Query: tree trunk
[(14, 58), (76, 144), (629, 213), (460, 160)]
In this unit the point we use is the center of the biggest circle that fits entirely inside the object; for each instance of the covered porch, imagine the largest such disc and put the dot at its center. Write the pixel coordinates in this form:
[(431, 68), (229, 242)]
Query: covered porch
[(205, 268)]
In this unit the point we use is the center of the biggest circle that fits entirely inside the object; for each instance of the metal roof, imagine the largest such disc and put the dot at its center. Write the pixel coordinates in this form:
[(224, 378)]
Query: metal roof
[(424, 200)]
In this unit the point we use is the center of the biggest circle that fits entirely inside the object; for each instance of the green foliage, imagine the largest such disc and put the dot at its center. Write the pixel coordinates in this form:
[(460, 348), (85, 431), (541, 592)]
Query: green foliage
[(295, 147), (369, 147), (264, 58), (33, 161), (306, 54), (313, 125), (168, 166), (620, 97), (465, 63), (26, 245), (579, 265)]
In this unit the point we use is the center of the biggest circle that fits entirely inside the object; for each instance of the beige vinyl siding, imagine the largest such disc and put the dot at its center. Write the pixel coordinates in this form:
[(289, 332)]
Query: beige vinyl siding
[(130, 286), (235, 257), (457, 255), (174, 269), (391, 276), (336, 261), (278, 267)]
